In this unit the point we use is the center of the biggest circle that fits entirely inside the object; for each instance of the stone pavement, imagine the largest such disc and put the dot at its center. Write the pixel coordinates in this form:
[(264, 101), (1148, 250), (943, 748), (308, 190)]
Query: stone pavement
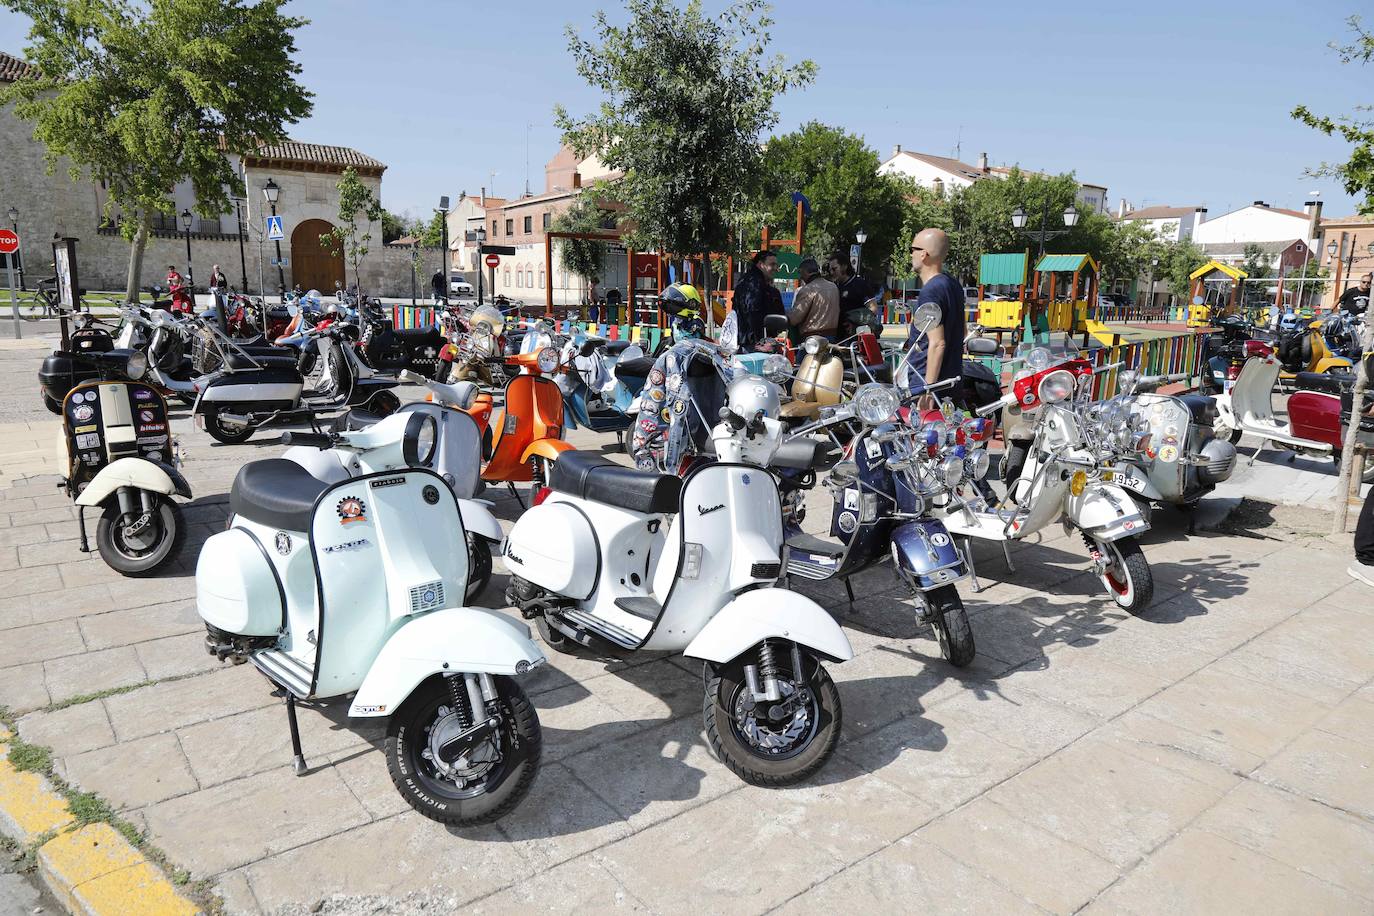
[(1211, 755)]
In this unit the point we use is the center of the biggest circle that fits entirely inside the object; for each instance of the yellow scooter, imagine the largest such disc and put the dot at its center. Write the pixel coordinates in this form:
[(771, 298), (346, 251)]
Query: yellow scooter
[(817, 383)]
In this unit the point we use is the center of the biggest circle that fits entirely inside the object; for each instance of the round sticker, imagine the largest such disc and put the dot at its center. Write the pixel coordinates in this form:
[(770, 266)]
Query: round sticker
[(656, 394), (283, 543), (848, 522), (655, 376), (82, 412), (1168, 453), (430, 494), (940, 540), (147, 416), (674, 382)]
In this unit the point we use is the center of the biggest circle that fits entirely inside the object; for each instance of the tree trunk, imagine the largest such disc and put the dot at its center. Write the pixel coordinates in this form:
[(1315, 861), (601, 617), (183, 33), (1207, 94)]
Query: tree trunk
[(1352, 433), (136, 247)]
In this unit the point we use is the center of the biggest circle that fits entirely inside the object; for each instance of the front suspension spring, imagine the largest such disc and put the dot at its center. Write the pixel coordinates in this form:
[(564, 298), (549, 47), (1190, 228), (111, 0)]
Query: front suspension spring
[(1093, 550), (458, 690), (769, 659)]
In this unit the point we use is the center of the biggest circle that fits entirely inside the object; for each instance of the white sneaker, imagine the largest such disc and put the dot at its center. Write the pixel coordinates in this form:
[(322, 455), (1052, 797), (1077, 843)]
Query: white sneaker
[(1361, 572)]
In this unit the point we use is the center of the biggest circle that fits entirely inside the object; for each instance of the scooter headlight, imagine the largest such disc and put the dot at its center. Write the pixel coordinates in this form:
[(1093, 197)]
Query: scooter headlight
[(976, 464), (547, 359), (1057, 386), (1039, 359), (876, 404), (812, 345), (952, 471), (136, 366), (1126, 379), (776, 367), (421, 437)]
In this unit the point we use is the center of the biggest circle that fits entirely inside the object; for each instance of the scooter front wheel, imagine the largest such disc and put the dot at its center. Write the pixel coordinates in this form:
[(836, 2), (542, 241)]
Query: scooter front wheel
[(772, 744), (139, 552), (494, 776), (952, 630), (220, 431), (1127, 575)]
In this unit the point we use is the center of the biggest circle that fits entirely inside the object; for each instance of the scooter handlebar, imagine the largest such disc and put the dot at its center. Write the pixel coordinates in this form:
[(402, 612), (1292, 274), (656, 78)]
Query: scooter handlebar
[(318, 440), (413, 378), (1006, 400)]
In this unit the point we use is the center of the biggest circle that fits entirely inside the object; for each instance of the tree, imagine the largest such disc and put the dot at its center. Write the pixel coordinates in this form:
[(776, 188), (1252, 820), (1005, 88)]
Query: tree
[(1177, 260), (1258, 264), (430, 232), (145, 96), (393, 227), (687, 100), (351, 239), (1356, 175), (581, 257), (837, 172)]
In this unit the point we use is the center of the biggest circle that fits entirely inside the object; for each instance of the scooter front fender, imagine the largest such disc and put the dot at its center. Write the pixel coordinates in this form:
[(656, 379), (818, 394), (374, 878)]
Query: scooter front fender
[(925, 553), (470, 640), (139, 473), (769, 613), (477, 519), (545, 448), (1105, 511)]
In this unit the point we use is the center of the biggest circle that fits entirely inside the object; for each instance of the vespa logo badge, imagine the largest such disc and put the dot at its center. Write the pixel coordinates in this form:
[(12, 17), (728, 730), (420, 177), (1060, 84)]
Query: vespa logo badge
[(346, 545), (704, 510), (283, 543), (351, 509), (510, 555), (430, 494), (386, 482)]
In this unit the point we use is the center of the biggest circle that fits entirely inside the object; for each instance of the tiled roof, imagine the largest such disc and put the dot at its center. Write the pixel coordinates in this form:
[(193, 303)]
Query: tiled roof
[(1238, 248), (13, 68), (953, 166), (1161, 212), (1355, 220), (316, 154)]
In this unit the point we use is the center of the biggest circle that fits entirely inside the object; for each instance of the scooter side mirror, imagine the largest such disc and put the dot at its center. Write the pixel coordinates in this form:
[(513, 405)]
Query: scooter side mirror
[(926, 316)]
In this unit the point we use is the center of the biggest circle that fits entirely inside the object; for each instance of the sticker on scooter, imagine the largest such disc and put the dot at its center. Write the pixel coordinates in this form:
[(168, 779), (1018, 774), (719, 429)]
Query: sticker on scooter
[(851, 498), (82, 412), (346, 545), (351, 509), (939, 540), (283, 543), (1168, 453), (848, 522), (386, 482), (430, 494), (147, 416)]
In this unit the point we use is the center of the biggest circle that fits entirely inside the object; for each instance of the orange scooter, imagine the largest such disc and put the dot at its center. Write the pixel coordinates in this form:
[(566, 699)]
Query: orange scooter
[(525, 435)]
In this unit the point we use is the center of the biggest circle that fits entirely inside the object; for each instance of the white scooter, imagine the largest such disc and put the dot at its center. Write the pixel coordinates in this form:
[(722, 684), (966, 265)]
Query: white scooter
[(649, 561), (456, 456), (355, 586), (1062, 479), (1248, 408)]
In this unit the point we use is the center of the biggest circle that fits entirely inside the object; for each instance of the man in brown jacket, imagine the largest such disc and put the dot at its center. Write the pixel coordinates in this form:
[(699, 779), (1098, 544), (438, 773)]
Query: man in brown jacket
[(816, 306)]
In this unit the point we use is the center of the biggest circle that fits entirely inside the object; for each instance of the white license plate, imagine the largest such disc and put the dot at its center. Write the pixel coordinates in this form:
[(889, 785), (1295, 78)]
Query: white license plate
[(1129, 482)]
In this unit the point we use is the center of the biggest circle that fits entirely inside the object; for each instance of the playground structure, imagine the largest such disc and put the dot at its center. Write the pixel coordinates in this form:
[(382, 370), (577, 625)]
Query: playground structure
[(1056, 297), (1214, 289)]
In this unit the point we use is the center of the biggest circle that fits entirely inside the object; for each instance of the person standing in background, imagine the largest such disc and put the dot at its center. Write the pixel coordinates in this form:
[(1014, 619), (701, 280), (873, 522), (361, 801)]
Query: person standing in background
[(816, 307), (940, 356)]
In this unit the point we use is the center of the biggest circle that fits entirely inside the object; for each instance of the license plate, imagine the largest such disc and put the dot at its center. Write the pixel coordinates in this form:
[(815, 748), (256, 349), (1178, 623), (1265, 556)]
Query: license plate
[(1129, 482)]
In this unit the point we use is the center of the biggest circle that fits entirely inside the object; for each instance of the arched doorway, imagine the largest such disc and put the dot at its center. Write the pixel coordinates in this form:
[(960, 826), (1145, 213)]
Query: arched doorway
[(312, 265)]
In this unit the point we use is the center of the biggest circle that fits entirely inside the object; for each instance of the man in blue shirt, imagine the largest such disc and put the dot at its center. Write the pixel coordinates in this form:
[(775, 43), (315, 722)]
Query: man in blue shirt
[(941, 355)]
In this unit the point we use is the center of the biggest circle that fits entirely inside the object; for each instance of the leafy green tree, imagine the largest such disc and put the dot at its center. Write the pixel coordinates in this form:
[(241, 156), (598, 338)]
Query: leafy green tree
[(1178, 259), (837, 172), (1357, 174), (393, 227), (358, 210), (581, 257), (687, 100), (923, 208), (1257, 264), (144, 96), (430, 232)]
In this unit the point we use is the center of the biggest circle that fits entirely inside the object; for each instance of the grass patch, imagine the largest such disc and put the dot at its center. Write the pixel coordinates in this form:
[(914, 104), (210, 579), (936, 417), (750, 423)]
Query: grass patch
[(30, 758), (97, 695)]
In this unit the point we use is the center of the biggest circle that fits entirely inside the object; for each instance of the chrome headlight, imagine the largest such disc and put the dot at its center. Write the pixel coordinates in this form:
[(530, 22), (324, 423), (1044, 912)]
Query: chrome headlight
[(976, 464), (876, 403), (1039, 359), (1055, 387), (547, 359), (421, 437), (1126, 379), (812, 345), (952, 471), (136, 366), (776, 367)]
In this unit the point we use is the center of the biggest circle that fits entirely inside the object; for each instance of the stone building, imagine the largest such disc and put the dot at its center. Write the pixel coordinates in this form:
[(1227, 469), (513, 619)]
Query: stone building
[(49, 203)]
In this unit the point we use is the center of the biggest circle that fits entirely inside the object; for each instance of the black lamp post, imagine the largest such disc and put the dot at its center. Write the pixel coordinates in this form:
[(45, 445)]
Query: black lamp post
[(18, 259), (481, 237), (243, 260), (190, 272), (443, 242), (1044, 233), (859, 237), (271, 191)]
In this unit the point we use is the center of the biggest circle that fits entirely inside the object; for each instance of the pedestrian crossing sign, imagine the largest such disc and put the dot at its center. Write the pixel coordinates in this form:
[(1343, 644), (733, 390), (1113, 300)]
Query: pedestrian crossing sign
[(274, 232)]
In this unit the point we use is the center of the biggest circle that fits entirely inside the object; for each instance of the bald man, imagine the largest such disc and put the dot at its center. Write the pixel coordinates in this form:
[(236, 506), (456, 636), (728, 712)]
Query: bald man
[(940, 355)]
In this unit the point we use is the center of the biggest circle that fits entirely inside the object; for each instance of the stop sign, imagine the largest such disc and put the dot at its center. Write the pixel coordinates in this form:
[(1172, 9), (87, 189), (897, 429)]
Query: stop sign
[(493, 260), (9, 241)]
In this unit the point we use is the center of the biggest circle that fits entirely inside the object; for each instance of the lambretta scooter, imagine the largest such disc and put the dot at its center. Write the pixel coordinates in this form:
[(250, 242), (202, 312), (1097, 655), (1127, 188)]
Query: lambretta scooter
[(456, 457), (640, 560), (356, 586), (1185, 459), (120, 458), (817, 383), (1249, 408), (1062, 478)]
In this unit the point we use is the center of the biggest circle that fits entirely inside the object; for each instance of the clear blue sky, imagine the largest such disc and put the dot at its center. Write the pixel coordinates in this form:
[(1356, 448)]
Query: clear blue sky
[(1165, 103)]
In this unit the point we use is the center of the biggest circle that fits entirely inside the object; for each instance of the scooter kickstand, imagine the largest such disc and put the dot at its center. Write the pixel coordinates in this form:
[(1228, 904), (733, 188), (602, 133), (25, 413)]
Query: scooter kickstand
[(972, 572), (516, 494), (1006, 552), (849, 590), (297, 759)]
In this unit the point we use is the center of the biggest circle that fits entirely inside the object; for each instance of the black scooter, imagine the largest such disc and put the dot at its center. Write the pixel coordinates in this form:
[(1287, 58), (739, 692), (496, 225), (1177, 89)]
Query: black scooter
[(387, 349)]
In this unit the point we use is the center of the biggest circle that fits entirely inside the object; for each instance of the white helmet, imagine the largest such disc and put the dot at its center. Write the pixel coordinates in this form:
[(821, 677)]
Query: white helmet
[(749, 394)]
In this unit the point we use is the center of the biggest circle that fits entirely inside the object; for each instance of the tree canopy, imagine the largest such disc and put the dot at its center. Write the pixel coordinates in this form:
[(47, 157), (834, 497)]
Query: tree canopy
[(1356, 174), (581, 257), (688, 99), (145, 96), (358, 210)]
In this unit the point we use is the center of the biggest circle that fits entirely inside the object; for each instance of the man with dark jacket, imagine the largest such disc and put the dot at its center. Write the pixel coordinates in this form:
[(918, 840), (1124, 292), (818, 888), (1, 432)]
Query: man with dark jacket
[(755, 298), (854, 295)]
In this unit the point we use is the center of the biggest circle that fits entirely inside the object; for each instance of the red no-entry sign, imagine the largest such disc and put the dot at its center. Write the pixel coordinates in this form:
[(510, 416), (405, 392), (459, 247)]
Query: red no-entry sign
[(9, 241), (493, 260)]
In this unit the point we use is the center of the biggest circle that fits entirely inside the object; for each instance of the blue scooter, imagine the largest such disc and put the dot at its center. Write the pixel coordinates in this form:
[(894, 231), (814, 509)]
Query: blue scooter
[(602, 380)]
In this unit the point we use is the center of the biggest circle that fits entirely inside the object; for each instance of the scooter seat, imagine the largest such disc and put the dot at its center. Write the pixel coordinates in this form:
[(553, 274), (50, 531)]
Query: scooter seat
[(1202, 409), (802, 455), (418, 334), (591, 345), (591, 476), (617, 347), (1324, 382), (634, 368), (356, 419), (280, 359), (275, 492)]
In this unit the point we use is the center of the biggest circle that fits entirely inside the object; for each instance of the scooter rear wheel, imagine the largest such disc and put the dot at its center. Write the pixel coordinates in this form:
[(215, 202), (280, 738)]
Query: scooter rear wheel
[(224, 432), (479, 566), (503, 786), (139, 555)]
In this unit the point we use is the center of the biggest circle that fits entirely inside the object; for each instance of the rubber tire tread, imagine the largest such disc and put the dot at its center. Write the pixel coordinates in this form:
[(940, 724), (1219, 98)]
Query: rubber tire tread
[(949, 607), (479, 567), (1138, 569), (220, 434), (115, 560)]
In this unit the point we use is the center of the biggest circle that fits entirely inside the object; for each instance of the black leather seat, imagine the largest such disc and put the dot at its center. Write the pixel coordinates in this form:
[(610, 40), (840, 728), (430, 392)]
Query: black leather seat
[(634, 368), (803, 455), (416, 333), (591, 345), (617, 347), (1328, 383), (357, 418), (590, 476), (280, 359), (275, 492)]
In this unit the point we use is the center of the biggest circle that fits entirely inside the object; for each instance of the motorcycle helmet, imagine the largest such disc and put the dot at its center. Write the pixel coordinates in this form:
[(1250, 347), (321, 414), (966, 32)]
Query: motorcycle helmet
[(749, 394), (681, 300)]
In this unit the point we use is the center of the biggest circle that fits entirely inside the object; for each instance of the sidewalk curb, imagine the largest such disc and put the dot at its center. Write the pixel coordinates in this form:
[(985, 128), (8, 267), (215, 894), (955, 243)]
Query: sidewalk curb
[(92, 870)]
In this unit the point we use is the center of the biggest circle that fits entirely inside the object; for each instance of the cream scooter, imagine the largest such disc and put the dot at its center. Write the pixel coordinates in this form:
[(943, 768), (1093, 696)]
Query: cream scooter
[(355, 587), (1062, 479), (650, 561)]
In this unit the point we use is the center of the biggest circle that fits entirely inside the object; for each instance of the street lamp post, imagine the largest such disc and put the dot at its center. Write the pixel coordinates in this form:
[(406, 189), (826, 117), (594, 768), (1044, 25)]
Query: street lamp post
[(1150, 290), (859, 237), (272, 191), (17, 257), (480, 236), (190, 271), (443, 242), (243, 260), (1044, 233)]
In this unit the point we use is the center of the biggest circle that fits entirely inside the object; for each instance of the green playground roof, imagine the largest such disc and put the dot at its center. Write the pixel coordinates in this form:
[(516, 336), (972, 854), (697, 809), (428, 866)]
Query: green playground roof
[(1002, 269), (1064, 263)]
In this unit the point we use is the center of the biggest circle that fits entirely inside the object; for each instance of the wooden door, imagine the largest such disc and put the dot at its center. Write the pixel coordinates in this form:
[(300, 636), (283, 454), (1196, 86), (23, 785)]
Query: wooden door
[(312, 266)]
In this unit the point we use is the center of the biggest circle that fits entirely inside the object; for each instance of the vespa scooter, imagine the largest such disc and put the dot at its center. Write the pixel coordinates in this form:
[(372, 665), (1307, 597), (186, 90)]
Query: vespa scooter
[(355, 587), (640, 560), (120, 458)]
